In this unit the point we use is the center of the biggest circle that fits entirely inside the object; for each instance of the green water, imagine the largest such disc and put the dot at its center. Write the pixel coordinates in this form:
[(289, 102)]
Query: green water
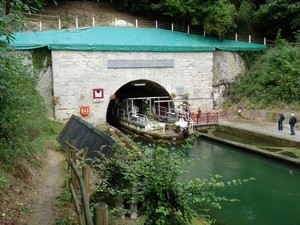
[(272, 199)]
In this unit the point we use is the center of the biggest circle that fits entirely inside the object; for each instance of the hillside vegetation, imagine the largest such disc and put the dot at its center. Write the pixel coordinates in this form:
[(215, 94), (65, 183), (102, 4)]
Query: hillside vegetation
[(272, 80)]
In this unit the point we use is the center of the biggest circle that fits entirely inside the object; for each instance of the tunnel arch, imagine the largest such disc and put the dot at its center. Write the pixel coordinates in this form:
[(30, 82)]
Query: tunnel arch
[(139, 89)]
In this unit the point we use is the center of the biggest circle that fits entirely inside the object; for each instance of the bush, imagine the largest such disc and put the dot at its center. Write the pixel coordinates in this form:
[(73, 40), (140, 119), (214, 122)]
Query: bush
[(23, 112), (273, 79), (154, 176)]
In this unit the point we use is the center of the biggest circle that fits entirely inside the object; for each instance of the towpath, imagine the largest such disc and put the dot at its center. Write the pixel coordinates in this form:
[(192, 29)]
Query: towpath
[(266, 128)]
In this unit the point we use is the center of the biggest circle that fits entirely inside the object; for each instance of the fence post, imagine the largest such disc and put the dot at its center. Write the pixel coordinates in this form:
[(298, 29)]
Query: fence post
[(77, 205), (133, 207), (86, 179), (67, 151), (85, 151), (100, 214), (73, 156)]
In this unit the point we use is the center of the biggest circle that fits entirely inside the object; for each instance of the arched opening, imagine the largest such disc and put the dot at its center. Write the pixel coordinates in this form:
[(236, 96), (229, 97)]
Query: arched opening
[(146, 95)]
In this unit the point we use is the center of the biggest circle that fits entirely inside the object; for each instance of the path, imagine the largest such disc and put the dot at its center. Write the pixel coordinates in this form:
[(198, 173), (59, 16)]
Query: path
[(51, 178), (263, 128)]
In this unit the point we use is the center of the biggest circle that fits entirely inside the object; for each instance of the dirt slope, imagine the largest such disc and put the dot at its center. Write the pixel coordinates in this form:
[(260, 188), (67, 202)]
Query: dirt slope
[(103, 13)]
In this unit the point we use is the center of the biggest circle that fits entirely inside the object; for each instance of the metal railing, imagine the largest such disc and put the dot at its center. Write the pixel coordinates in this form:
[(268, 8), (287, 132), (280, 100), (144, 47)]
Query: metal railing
[(206, 118), (39, 22)]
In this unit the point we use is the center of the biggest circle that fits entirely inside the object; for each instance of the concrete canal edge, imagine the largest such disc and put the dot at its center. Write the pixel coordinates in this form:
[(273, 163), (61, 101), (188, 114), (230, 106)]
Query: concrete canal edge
[(282, 142)]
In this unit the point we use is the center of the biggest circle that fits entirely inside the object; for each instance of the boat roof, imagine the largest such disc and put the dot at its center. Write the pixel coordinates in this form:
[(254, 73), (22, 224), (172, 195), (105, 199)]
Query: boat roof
[(107, 38)]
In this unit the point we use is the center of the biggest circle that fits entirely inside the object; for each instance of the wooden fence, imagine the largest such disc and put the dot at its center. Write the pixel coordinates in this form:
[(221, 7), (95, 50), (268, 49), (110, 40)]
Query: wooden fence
[(83, 179)]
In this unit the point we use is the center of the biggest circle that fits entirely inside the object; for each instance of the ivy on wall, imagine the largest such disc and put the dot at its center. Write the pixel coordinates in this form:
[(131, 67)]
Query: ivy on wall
[(250, 57), (41, 59)]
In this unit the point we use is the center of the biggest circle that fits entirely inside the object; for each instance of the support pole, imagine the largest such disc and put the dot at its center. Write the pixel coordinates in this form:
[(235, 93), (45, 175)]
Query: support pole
[(100, 214)]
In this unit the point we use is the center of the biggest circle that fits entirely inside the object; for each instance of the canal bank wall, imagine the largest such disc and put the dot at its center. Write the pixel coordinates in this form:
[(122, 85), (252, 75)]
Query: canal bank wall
[(287, 146)]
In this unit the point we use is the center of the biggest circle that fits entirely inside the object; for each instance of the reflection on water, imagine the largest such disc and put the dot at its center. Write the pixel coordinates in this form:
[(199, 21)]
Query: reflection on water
[(272, 199)]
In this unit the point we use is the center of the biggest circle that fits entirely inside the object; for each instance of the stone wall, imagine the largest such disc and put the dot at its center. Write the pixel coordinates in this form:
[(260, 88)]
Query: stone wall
[(74, 74), (77, 73), (227, 65)]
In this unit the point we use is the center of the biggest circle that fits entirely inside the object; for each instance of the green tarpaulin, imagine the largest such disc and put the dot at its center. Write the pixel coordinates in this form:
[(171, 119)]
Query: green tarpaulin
[(105, 38)]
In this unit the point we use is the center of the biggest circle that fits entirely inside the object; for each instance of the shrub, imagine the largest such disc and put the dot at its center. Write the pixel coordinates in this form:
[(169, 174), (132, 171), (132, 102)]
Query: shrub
[(154, 175)]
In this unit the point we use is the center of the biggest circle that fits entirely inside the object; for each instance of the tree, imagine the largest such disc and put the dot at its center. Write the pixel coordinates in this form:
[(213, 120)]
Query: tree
[(218, 16), (244, 18), (278, 14)]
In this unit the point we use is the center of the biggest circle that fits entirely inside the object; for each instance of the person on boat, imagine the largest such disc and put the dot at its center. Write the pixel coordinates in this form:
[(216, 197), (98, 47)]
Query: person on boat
[(198, 114), (189, 112)]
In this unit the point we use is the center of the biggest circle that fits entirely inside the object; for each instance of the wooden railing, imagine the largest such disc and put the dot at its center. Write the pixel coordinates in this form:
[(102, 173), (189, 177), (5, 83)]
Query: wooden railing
[(83, 179)]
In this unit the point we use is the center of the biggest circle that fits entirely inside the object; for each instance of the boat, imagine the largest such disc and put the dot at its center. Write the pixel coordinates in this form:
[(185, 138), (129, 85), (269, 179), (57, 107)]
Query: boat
[(150, 118)]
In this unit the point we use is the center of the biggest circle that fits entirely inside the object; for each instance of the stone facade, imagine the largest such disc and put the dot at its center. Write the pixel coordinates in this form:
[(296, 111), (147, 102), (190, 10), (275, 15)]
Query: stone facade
[(77, 73), (74, 74)]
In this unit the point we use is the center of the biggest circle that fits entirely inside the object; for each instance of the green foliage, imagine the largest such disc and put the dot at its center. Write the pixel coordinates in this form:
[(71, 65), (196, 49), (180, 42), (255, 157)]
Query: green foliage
[(220, 18), (156, 180), (26, 208), (278, 14), (273, 78), (245, 14), (61, 222), (41, 59), (23, 113), (4, 185), (297, 36), (250, 56)]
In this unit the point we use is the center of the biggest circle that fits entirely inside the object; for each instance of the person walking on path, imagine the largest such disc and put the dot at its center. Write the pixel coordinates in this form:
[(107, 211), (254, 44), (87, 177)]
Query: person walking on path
[(280, 121), (292, 122)]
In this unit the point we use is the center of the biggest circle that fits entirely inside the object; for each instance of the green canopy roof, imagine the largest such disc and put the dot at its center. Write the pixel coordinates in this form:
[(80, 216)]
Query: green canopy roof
[(105, 38)]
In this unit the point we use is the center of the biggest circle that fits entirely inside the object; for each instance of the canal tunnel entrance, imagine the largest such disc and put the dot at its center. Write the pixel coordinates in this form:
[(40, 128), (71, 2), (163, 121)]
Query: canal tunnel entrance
[(143, 94)]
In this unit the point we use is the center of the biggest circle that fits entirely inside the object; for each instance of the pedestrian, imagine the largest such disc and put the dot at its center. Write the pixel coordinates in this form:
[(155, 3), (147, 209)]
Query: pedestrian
[(198, 114), (292, 122), (281, 118)]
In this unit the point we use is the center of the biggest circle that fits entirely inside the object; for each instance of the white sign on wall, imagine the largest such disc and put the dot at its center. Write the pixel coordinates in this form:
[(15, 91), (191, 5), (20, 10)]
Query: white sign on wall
[(98, 94)]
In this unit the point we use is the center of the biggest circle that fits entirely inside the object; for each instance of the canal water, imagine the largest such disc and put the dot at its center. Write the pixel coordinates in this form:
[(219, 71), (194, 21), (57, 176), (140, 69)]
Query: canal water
[(273, 198)]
